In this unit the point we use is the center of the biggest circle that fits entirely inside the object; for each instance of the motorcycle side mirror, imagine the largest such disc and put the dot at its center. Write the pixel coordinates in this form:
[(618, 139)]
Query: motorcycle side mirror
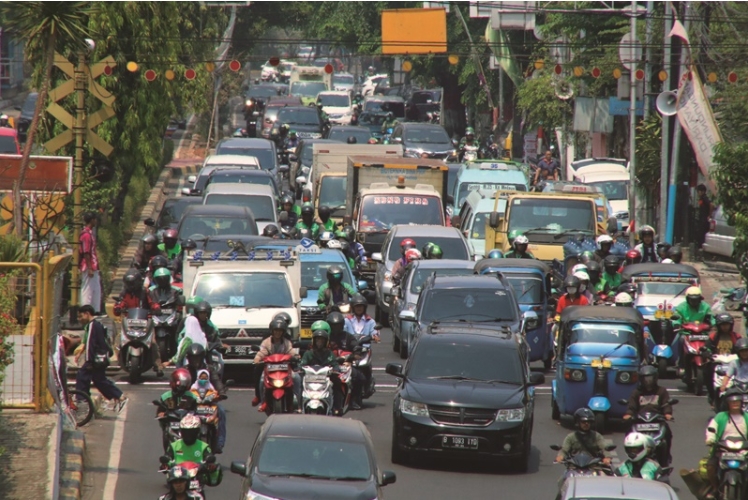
[(164, 459), (210, 459), (254, 348), (378, 326), (156, 402), (296, 344), (149, 222), (674, 402), (365, 340), (623, 401), (230, 382), (555, 447), (341, 359), (610, 447)]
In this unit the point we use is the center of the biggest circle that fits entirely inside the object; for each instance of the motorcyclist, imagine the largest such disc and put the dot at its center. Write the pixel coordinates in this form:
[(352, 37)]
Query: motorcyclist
[(519, 248), (675, 254), (738, 368), (410, 255), (623, 299), (172, 249), (307, 221), (732, 423), (389, 122), (341, 340), (325, 222), (405, 245), (282, 136), (162, 291), (277, 343), (191, 449), (593, 270), (271, 231), (662, 250), (196, 363), (633, 256), (356, 249), (587, 257), (647, 248), (322, 115), (468, 140), (335, 291), (572, 297), (584, 439), (638, 446), (584, 286), (604, 244), (723, 340), (611, 278), (194, 333), (293, 210), (148, 250), (324, 238), (495, 254), (321, 355), (135, 296), (358, 322), (649, 396), (178, 479), (431, 251), (292, 142), (692, 310), (179, 397)]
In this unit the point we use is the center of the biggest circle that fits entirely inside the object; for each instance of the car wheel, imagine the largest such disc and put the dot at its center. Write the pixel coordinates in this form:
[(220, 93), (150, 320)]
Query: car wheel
[(382, 317), (398, 456), (403, 349), (555, 412), (522, 463), (395, 342)]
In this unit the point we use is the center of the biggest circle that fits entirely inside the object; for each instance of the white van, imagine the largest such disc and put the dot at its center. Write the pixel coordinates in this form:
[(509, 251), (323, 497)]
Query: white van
[(613, 181), (474, 216), (259, 198)]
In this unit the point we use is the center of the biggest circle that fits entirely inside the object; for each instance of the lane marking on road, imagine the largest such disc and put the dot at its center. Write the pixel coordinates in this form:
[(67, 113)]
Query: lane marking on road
[(115, 450)]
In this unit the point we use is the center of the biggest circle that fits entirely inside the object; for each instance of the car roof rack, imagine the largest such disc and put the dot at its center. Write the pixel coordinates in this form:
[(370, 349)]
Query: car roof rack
[(499, 330)]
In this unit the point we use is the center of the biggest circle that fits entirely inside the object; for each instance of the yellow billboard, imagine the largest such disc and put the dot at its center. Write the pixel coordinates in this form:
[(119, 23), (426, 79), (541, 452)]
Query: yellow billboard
[(414, 31)]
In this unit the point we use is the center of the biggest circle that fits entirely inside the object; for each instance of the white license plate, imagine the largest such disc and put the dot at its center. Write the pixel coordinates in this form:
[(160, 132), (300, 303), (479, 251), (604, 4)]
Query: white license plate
[(647, 427), (174, 425), (167, 311), (731, 456), (277, 368), (460, 442), (696, 338), (204, 410), (195, 485)]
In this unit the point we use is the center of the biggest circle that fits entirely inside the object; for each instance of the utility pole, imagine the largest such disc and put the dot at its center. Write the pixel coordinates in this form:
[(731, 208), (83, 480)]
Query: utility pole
[(648, 59), (665, 149), (79, 132), (632, 129)]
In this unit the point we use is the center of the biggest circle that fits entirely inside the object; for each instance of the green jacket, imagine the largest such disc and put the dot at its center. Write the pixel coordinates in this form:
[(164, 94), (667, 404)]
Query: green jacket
[(513, 254), (330, 225), (608, 282), (649, 470), (687, 315), (324, 358), (179, 452), (324, 298), (716, 428), (175, 251), (314, 229), (576, 442)]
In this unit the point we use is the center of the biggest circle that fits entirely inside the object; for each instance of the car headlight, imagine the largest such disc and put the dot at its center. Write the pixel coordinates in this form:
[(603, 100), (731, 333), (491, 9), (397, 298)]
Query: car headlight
[(410, 307), (279, 383), (412, 408), (253, 495), (387, 276), (513, 415), (575, 375), (411, 153)]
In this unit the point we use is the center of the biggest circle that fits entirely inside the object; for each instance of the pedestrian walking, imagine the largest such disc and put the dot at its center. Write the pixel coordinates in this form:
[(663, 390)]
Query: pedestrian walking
[(89, 264), (93, 358)]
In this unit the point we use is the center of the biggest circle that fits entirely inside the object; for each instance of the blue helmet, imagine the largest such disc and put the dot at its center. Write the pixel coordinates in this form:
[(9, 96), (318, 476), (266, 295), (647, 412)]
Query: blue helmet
[(495, 254)]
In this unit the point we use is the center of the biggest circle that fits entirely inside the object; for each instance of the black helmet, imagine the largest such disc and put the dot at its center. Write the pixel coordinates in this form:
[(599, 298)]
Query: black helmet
[(345, 246), (351, 140), (583, 415), (203, 306), (573, 283), (195, 355), (663, 248), (286, 199), (324, 212), (741, 344), (150, 238), (278, 324), (320, 333), (593, 266), (334, 275), (359, 300), (307, 209), (158, 262), (285, 317), (733, 393), (334, 319), (133, 280), (648, 377), (350, 233), (611, 262), (723, 318), (271, 231), (675, 254)]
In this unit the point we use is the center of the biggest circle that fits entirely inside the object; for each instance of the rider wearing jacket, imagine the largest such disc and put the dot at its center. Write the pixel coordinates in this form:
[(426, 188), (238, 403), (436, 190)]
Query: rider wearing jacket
[(195, 364), (335, 291), (358, 322), (649, 396), (604, 244), (325, 222), (398, 271), (572, 297), (341, 340), (133, 296), (321, 355), (519, 249), (307, 221), (723, 340), (731, 423), (611, 278), (277, 343), (172, 249), (356, 249), (147, 251), (191, 449), (639, 465), (647, 248), (693, 310), (293, 210), (178, 479), (584, 439), (738, 368)]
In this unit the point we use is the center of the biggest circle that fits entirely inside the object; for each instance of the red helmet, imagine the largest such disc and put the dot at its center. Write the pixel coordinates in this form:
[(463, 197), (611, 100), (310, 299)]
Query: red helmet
[(633, 257), (406, 244), (412, 254), (170, 234), (181, 380)]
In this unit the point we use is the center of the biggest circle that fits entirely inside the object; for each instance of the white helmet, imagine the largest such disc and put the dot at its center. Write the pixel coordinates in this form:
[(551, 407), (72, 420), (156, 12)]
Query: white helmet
[(189, 422), (603, 238), (624, 300), (667, 261), (579, 267), (584, 279), (334, 244), (521, 240), (637, 446)]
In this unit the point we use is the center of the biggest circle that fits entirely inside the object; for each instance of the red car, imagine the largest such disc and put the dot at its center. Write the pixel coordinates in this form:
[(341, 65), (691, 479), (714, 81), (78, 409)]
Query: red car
[(9, 141)]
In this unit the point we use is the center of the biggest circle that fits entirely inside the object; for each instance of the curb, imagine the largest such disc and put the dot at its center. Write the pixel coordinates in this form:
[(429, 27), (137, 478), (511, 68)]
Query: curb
[(53, 459), (72, 448)]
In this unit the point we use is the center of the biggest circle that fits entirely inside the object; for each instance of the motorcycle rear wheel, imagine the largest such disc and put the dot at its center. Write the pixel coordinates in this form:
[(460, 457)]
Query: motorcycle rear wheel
[(731, 492), (600, 422), (698, 388), (163, 348), (134, 371)]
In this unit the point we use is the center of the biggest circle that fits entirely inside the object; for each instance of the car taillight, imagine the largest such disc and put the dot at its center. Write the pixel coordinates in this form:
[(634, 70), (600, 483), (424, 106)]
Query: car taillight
[(712, 225)]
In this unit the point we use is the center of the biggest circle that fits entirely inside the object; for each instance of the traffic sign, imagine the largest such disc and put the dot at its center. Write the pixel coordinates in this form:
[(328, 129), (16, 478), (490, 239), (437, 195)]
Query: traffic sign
[(44, 173)]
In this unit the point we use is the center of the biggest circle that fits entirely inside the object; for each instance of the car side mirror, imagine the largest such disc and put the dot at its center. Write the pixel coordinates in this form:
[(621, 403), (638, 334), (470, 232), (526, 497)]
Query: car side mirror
[(450, 199), (303, 292), (531, 320), (388, 477), (610, 447), (376, 257), (495, 219), (191, 179), (394, 369), (407, 316), (362, 285), (555, 447), (536, 378), (239, 468), (149, 222), (186, 191)]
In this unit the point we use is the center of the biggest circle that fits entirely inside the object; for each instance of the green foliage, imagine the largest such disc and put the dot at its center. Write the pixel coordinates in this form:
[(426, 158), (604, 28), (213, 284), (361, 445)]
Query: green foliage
[(537, 98), (13, 249), (649, 153), (731, 177), (8, 322)]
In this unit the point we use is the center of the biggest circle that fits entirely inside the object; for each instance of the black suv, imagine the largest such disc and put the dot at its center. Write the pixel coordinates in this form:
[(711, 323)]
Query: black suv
[(464, 395)]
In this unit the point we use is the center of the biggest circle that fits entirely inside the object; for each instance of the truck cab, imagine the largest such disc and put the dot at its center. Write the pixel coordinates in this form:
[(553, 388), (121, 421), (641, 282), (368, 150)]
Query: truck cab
[(306, 82), (486, 175)]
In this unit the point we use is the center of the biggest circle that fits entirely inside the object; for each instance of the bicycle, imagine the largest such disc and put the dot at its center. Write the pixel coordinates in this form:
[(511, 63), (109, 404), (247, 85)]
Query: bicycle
[(79, 405)]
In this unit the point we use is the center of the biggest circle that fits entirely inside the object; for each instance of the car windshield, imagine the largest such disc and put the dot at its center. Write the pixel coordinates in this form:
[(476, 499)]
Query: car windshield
[(468, 304), (8, 145), (468, 187), (488, 361), (362, 134), (377, 106), (423, 135), (262, 92), (552, 215), (342, 79), (380, 213), (609, 333), (215, 225), (427, 97), (657, 288), (263, 180), (315, 458), (371, 119), (452, 248), (528, 288), (172, 211), (262, 207), (308, 89), (613, 190), (308, 116), (334, 100), (420, 275), (314, 273), (332, 194), (250, 290), (264, 156)]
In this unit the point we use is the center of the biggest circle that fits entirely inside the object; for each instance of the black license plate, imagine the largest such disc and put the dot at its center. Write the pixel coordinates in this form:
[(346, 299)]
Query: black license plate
[(460, 442), (239, 350)]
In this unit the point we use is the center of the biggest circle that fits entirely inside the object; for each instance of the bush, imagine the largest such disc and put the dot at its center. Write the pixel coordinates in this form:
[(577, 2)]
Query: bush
[(8, 322)]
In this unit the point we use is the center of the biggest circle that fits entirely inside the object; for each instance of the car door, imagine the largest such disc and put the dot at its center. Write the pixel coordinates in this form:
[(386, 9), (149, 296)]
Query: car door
[(382, 266)]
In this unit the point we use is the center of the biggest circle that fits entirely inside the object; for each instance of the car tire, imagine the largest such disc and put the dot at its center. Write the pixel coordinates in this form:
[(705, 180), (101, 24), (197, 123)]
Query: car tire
[(381, 317), (555, 412), (548, 363), (403, 349), (522, 463), (398, 456), (395, 343)]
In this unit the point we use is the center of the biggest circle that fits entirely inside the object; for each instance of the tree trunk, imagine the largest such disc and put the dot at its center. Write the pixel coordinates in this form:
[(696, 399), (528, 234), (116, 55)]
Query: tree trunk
[(40, 101), (453, 119)]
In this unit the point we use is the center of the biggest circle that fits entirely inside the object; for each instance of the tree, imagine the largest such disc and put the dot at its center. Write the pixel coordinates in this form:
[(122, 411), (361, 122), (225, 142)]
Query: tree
[(47, 27)]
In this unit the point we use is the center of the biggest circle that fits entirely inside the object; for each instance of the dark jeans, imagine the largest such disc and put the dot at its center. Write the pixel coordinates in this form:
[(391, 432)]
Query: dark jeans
[(87, 374), (221, 431)]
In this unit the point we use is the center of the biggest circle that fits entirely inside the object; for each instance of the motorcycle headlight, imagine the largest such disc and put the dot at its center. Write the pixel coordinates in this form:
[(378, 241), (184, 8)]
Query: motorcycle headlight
[(734, 445), (279, 383), (413, 408), (248, 102), (136, 333), (388, 276), (513, 415)]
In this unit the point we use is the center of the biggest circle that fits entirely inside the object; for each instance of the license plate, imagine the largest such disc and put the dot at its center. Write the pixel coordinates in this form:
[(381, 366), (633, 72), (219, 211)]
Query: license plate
[(204, 410), (277, 368), (696, 338), (167, 311), (306, 333), (240, 350), (195, 485), (174, 425), (460, 442), (647, 427), (731, 456)]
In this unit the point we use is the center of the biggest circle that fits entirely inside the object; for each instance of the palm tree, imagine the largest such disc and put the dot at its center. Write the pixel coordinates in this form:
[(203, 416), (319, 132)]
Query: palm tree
[(46, 27)]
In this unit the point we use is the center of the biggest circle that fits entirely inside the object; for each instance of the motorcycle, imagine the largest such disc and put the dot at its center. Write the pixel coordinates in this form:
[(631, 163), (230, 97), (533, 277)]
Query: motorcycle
[(729, 299), (695, 338), (362, 361), (207, 411), (214, 359), (198, 473), (582, 464), (165, 323), (169, 423), (346, 381), (135, 344), (469, 153), (277, 379), (662, 334), (733, 464), (317, 395), (653, 424)]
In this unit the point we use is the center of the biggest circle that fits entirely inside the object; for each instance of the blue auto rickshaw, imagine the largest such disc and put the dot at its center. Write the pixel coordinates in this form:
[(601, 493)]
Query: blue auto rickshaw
[(600, 351), (531, 281)]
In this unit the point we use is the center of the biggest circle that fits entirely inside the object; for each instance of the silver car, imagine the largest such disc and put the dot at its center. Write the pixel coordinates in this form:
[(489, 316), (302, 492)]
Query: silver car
[(721, 235), (615, 488), (450, 239)]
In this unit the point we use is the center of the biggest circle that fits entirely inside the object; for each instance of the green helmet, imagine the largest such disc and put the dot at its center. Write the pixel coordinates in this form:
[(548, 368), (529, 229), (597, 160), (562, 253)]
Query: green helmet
[(162, 272), (435, 252), (292, 133), (513, 234), (190, 303), (470, 131), (320, 325)]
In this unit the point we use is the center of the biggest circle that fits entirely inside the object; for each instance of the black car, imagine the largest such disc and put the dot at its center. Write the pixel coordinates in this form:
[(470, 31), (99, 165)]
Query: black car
[(341, 133), (306, 456), (171, 213), (464, 395), (304, 120), (372, 121), (424, 140), (27, 114)]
